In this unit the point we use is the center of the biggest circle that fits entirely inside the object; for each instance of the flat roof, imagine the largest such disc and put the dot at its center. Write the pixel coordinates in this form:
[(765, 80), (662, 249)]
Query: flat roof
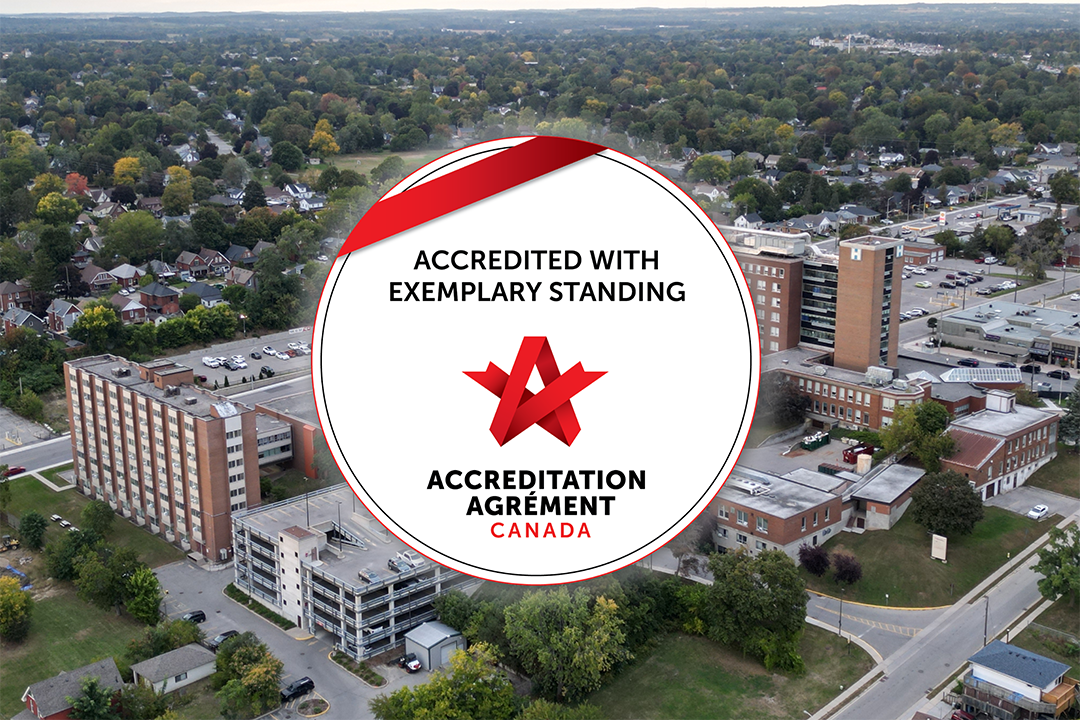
[(784, 499), (1000, 423), (817, 480), (889, 484), (792, 357), (268, 423), (103, 365), (319, 512), (300, 405)]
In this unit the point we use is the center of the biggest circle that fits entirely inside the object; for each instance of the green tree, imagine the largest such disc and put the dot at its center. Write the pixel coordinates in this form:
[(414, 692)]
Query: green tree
[(287, 155), (945, 504), (98, 517), (144, 596), (391, 168), (254, 195), (760, 607), (189, 302), (472, 687), (99, 327), (162, 638), (853, 230), (55, 209), (252, 677), (133, 237), (1059, 564), (15, 610), (1069, 426), (62, 556), (177, 198), (565, 642), (920, 429), (235, 295), (95, 702), (276, 300), (540, 709), (709, 169), (102, 575), (1065, 188), (32, 529)]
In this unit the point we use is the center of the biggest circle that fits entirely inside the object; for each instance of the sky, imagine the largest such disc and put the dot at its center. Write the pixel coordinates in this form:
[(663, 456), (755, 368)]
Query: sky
[(142, 7)]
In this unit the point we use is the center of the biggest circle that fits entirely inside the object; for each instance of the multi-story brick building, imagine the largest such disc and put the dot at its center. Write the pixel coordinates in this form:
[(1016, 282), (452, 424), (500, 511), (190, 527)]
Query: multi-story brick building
[(170, 456), (998, 448), (867, 329)]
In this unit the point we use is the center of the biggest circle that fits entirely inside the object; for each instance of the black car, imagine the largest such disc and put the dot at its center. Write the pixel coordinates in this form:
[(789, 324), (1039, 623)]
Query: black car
[(968, 362), (1059, 374), (947, 284), (220, 639), (405, 660), (195, 616), (1006, 365), (267, 371), (256, 355), (297, 688), (1033, 369)]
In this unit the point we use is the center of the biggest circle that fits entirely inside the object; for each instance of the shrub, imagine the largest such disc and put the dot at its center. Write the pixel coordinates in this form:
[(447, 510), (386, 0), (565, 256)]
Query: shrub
[(814, 558), (846, 568)]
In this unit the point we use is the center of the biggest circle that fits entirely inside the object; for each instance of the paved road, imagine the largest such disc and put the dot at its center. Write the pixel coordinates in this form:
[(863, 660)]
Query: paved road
[(885, 629), (191, 588)]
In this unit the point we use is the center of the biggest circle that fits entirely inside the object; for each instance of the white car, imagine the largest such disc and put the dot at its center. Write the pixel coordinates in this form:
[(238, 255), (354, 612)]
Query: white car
[(990, 260), (295, 345), (919, 271), (413, 559), (269, 350), (920, 310), (211, 362), (1075, 296), (1038, 512), (282, 356)]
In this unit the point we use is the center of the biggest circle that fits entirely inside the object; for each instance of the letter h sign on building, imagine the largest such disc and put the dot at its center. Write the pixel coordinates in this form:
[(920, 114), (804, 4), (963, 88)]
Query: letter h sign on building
[(536, 360)]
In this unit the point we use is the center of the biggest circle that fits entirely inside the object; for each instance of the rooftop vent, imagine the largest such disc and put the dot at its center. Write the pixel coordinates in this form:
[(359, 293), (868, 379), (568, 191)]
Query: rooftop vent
[(172, 390), (190, 401), (120, 371)]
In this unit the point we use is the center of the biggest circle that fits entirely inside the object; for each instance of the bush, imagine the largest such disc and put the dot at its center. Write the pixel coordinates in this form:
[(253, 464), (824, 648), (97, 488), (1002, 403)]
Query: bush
[(359, 669), (814, 558), (258, 608), (846, 568)]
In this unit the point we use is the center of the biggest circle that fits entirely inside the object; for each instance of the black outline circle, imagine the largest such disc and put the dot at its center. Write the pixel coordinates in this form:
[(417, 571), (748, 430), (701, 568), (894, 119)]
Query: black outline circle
[(731, 449)]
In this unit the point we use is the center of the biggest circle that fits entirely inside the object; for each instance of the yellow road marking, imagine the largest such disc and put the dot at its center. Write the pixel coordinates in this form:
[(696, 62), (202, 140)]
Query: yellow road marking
[(887, 627)]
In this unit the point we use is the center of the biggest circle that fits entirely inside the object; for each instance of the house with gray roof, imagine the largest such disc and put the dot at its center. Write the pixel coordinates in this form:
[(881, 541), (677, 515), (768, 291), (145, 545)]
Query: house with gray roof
[(175, 669), (208, 295), (16, 317), (1009, 682), (48, 699)]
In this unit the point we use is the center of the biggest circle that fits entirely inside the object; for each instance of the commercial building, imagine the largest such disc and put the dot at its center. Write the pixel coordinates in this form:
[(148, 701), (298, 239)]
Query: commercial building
[(1016, 331), (171, 456), (323, 562), (997, 449), (1011, 683)]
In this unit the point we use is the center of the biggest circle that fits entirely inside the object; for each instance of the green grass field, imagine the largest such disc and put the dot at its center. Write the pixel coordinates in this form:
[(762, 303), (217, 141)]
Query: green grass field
[(1063, 616), (1060, 475), (692, 677), (897, 561), (28, 493), (365, 162), (65, 634)]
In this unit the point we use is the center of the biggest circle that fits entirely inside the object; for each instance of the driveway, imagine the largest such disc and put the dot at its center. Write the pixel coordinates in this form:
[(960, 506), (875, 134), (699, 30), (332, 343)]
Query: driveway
[(1025, 497), (191, 588)]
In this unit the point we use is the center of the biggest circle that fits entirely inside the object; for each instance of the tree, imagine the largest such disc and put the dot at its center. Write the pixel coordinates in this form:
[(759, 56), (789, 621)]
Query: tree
[(252, 677), (76, 183), (134, 237), (846, 568), (1059, 564), (709, 169), (472, 687), (32, 529), (162, 638), (782, 400), (815, 558), (144, 596), (254, 195), (287, 155), (920, 429), (565, 642), (391, 168), (95, 702), (853, 230), (946, 504), (177, 198), (760, 607), (1069, 426), (15, 610), (322, 141), (55, 209), (127, 171), (189, 302), (1065, 188), (97, 516), (99, 327), (62, 556)]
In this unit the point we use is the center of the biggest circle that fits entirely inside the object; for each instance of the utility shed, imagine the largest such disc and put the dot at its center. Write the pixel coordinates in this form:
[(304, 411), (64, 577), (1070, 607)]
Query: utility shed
[(175, 669), (433, 643)]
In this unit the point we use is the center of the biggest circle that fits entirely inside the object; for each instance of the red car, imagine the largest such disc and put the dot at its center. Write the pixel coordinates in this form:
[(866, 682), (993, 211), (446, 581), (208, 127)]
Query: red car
[(13, 471), (962, 715)]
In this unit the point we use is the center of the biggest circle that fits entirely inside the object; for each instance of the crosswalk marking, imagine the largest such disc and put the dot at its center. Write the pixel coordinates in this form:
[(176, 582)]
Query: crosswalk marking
[(887, 627)]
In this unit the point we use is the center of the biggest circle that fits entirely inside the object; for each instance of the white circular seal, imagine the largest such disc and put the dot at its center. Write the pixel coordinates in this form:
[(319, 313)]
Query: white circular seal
[(546, 385)]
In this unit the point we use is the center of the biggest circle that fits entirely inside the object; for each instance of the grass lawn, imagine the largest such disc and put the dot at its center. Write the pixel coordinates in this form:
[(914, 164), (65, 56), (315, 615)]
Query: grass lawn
[(365, 162), (1060, 475), (56, 415), (898, 561), (1061, 616), (293, 482), (692, 677), (65, 634), (202, 705), (28, 493), (53, 475)]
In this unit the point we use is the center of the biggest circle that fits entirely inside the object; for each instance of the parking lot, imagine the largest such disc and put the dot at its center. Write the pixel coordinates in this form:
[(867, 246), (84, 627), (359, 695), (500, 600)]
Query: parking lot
[(936, 298), (1023, 498), (191, 588), (279, 341), (772, 458)]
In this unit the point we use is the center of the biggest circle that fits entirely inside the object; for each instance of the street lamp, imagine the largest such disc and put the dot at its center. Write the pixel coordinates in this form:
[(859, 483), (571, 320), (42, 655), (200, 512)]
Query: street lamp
[(840, 624), (243, 319), (886, 599)]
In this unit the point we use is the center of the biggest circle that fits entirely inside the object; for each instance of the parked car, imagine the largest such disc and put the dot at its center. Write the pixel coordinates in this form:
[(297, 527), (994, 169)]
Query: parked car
[(950, 276), (269, 350), (267, 371), (1059, 374), (962, 273), (211, 362), (991, 260), (297, 688), (961, 715), (219, 640), (1075, 296), (368, 576), (923, 284), (985, 291), (947, 284), (398, 566), (405, 660), (14, 470), (282, 356), (931, 268), (968, 362), (1038, 512), (1039, 386), (65, 524), (919, 271), (413, 667), (294, 346), (201, 378), (73, 529), (1006, 365), (412, 558), (256, 355), (1033, 369), (195, 616)]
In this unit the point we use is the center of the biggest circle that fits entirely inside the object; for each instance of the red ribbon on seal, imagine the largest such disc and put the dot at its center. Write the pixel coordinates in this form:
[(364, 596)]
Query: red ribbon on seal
[(505, 169)]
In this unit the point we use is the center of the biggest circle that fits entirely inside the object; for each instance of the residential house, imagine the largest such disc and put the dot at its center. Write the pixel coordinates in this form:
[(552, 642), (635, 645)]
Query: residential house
[(49, 699), (914, 173), (749, 220), (315, 203), (223, 200), (188, 154), (261, 145), (758, 158), (276, 197), (771, 161), (1072, 249), (175, 669), (824, 223), (299, 191), (151, 205), (708, 191), (81, 258), (998, 448), (208, 295), (97, 278), (1010, 683), (240, 256), (192, 263), (15, 295), (241, 276), (61, 315), (160, 299), (857, 214), (16, 317), (127, 275), (108, 210), (216, 263), (159, 269), (888, 158), (132, 312), (260, 246)]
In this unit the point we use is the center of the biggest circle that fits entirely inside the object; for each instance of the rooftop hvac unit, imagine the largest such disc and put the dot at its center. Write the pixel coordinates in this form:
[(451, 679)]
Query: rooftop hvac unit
[(879, 375), (172, 390), (900, 384), (820, 370), (190, 401), (748, 486), (120, 371)]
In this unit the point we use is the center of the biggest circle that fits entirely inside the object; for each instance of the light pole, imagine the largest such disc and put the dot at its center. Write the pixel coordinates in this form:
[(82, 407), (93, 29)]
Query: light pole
[(886, 599), (840, 623), (243, 319)]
